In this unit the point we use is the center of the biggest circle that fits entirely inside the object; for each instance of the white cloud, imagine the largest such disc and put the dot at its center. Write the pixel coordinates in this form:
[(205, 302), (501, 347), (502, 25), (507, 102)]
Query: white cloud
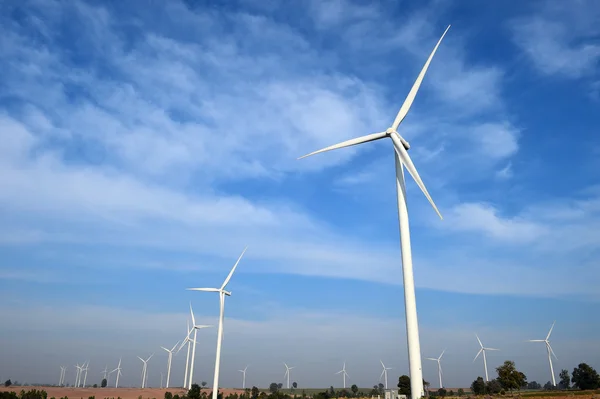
[(559, 39)]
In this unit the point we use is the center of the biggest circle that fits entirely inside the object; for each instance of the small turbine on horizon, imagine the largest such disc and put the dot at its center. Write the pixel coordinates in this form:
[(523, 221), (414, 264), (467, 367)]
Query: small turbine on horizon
[(222, 294), (244, 378), (482, 350), (145, 369), (187, 340), (61, 380), (384, 373), (287, 374), (170, 352), (438, 360), (403, 160), (344, 374), (549, 350), (195, 328), (118, 370)]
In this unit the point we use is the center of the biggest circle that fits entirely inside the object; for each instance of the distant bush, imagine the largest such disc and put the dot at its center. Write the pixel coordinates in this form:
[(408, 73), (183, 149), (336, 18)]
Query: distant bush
[(7, 383), (168, 395)]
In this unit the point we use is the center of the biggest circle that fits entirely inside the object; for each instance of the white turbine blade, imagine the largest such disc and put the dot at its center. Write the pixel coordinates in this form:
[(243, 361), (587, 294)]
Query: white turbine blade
[(478, 340), (339, 371), (551, 351), (439, 358), (415, 88), (174, 347), (348, 143), (140, 358), (480, 350), (192, 312), (199, 326), (233, 269), (165, 348), (536, 340), (431, 358), (381, 376), (407, 162), (491, 349), (204, 289), (550, 332), (382, 365), (346, 374)]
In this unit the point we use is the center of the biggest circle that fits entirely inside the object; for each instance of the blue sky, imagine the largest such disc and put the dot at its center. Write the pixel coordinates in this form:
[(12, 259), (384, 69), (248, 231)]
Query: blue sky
[(144, 146)]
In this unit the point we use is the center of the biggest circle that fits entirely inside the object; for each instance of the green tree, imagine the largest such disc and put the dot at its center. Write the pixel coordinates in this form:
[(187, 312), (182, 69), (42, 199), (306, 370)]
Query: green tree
[(585, 377), (354, 389), (294, 385), (565, 379), (442, 392), (461, 392), (194, 392), (273, 387), (168, 395), (493, 386), (404, 385), (478, 386), (534, 385), (280, 385), (451, 393), (509, 377), (203, 383), (255, 392), (103, 383)]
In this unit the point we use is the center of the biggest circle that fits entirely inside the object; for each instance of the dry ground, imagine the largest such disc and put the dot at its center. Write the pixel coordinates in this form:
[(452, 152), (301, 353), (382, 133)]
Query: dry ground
[(101, 393)]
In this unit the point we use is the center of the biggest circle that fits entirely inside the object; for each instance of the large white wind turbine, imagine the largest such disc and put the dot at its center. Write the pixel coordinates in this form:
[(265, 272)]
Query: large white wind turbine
[(384, 373), (118, 370), (222, 293), (170, 352), (438, 360), (244, 378), (195, 327), (482, 350), (344, 374), (550, 352), (187, 341), (145, 370), (78, 375), (287, 374), (402, 160)]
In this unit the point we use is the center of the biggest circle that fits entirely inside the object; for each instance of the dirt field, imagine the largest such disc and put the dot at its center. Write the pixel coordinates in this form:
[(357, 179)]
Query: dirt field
[(101, 393)]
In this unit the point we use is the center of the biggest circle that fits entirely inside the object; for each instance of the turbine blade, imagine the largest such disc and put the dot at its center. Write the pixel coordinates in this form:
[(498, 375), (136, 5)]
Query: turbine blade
[(431, 358), (165, 348), (382, 365), (551, 351), (415, 88), (174, 347), (233, 269), (204, 289), (192, 312), (477, 355), (348, 143), (550, 332), (491, 349), (442, 354), (407, 162), (478, 340), (381, 376), (536, 340)]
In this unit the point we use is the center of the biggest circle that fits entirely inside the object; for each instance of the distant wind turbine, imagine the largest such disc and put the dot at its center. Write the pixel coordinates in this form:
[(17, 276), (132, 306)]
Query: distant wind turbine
[(195, 327), (86, 371), (384, 373), (287, 374), (77, 375), (482, 350), (187, 341), (222, 294), (118, 370), (61, 380), (403, 160), (549, 350), (344, 374), (105, 373), (170, 352), (244, 378), (438, 360), (145, 370)]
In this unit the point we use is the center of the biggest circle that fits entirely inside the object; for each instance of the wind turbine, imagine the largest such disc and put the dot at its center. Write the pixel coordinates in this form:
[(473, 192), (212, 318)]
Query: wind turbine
[(105, 373), (344, 374), (145, 370), (169, 362), (549, 350), (118, 370), (384, 373), (438, 360), (78, 375), (244, 378), (187, 341), (195, 327), (402, 160), (222, 294), (287, 374), (61, 380), (483, 349), (86, 371)]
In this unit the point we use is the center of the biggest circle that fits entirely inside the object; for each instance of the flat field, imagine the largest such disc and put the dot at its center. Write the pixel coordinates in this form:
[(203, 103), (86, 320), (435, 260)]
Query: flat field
[(101, 393)]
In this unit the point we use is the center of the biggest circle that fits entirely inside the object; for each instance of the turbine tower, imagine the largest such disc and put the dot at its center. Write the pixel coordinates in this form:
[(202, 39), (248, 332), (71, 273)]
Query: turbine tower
[(287, 374), (344, 374), (402, 160), (438, 360), (384, 373), (61, 380), (482, 350), (187, 341), (77, 375), (86, 371), (244, 378), (222, 294), (195, 327), (118, 370), (550, 352), (170, 352)]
